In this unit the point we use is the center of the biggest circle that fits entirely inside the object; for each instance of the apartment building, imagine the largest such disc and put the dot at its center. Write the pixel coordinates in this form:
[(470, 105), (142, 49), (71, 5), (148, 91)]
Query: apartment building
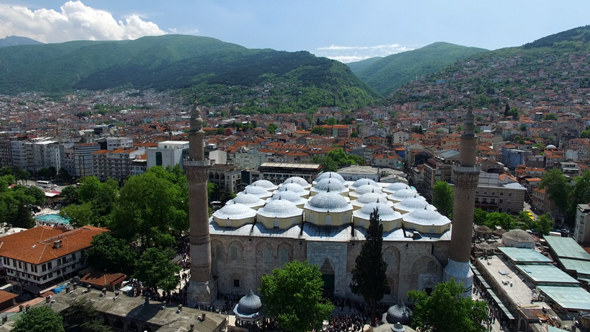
[(228, 178), (5, 153), (36, 153), (115, 164), (76, 158), (43, 255), (582, 229), (246, 158), (438, 168), (168, 153), (499, 193)]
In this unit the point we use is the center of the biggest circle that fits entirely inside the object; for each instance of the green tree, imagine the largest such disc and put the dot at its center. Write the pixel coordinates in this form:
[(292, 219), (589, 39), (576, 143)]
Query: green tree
[(445, 310), (37, 195), (272, 128), (544, 224), (580, 193), (550, 116), (331, 121), (64, 175), (513, 112), (70, 194), (389, 139), (354, 134), (293, 296), (479, 216), (110, 254), (444, 198), (327, 163), (556, 185), (369, 277), (155, 268), (318, 130), (522, 127), (41, 319), (518, 139), (501, 219), (585, 134), (79, 215), (82, 316)]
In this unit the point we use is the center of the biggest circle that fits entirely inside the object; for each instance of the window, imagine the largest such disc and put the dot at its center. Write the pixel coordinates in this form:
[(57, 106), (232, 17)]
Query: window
[(283, 256), (219, 252), (228, 223), (237, 283), (20, 265), (234, 253), (501, 201), (509, 194), (328, 220), (158, 158), (266, 255), (50, 275), (45, 277), (276, 224), (5, 260), (49, 265)]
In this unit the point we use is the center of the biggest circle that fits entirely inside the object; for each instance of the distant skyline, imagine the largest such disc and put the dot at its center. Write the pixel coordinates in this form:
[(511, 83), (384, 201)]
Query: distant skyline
[(343, 30)]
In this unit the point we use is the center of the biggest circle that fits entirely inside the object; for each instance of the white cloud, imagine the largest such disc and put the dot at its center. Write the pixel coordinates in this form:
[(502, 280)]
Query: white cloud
[(357, 53), (75, 22)]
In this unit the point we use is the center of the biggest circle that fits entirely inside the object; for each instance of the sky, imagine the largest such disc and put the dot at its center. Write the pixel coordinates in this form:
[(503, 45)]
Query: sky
[(344, 30)]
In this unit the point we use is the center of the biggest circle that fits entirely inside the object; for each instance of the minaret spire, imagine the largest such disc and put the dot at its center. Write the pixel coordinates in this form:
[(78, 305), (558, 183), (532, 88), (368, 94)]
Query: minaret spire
[(201, 288)]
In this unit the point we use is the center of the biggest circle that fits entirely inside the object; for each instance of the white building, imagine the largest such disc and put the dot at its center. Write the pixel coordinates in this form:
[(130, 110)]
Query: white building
[(582, 230), (114, 143), (168, 153), (77, 158)]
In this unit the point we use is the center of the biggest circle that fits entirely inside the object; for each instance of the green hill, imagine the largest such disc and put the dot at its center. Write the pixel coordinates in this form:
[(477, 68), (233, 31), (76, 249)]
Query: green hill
[(576, 35), (391, 72), (201, 64), (16, 41), (359, 66)]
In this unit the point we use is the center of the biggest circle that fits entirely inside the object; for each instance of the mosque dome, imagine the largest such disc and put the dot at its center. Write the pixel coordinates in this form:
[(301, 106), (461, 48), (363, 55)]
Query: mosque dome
[(332, 185), (249, 304), (256, 190), (279, 208), (550, 146), (330, 175), (403, 194), (371, 197), (249, 200), (395, 187), (399, 313), (298, 180), (290, 196), (411, 204), (264, 184), (234, 211), (328, 201), (294, 187), (368, 188), (386, 213), (362, 182), (426, 217)]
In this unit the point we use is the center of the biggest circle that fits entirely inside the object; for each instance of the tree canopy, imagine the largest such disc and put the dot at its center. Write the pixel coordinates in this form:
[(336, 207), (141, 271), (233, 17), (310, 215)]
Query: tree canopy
[(293, 296), (444, 198), (445, 310), (369, 277), (156, 269), (565, 194), (15, 202), (40, 319), (318, 130), (110, 254), (82, 316), (337, 158)]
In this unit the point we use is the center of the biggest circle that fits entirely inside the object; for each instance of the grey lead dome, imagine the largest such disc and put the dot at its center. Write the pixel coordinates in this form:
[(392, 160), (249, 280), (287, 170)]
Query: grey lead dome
[(330, 175), (328, 201), (249, 304)]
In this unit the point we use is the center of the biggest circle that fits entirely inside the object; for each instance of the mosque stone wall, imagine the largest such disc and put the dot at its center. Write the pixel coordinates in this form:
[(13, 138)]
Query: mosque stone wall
[(336, 256)]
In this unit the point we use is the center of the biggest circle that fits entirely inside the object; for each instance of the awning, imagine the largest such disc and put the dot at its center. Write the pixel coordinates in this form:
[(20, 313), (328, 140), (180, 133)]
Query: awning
[(501, 305)]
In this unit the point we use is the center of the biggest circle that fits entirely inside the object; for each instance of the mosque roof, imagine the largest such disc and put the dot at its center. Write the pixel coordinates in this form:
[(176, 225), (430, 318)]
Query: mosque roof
[(399, 313), (258, 191), (332, 185), (289, 196), (426, 217), (249, 200), (361, 182), (264, 184), (518, 235), (403, 194), (249, 308), (279, 208), (294, 187), (395, 187), (411, 204), (299, 180), (234, 211), (370, 197), (386, 213), (328, 201), (368, 188), (330, 175)]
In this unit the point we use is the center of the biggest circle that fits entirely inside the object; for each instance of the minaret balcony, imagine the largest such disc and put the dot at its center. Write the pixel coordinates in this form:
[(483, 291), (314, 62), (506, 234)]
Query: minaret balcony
[(467, 169), (198, 163)]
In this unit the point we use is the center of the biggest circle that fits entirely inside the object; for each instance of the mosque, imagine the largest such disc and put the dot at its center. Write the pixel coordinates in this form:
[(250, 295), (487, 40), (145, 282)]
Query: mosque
[(325, 222)]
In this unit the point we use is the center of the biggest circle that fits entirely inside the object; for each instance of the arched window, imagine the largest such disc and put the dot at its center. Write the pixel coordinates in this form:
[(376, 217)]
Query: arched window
[(328, 220), (228, 223), (362, 223), (219, 252), (294, 221), (283, 256), (234, 253), (310, 217), (345, 219), (266, 255), (276, 224)]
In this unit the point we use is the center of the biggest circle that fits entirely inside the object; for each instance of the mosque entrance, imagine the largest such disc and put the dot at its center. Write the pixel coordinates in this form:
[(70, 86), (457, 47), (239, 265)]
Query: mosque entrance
[(328, 277)]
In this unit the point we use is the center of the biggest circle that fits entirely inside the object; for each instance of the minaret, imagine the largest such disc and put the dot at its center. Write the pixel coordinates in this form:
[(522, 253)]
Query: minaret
[(201, 289), (466, 176)]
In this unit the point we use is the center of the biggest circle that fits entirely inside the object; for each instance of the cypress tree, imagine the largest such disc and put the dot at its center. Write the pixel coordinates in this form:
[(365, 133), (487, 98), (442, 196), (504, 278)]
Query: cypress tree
[(369, 277)]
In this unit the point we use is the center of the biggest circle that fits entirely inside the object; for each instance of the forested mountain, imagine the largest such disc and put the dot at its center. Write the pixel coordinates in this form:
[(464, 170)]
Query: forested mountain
[(202, 65), (391, 72), (553, 70), (16, 40), (359, 66)]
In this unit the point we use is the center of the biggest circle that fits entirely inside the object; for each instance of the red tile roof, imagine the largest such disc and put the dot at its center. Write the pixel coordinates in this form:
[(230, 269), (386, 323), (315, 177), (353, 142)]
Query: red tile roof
[(103, 279)]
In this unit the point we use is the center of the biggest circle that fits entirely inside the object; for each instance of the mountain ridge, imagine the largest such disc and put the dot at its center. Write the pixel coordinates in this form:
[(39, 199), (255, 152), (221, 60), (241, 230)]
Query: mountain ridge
[(17, 41)]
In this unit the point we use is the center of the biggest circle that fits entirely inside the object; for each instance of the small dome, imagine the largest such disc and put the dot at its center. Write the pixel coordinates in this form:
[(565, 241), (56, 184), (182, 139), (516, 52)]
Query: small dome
[(247, 199), (295, 179), (234, 211), (368, 188), (426, 218), (370, 198), (328, 201), (550, 146), (362, 182), (289, 196), (294, 187), (331, 185), (399, 313), (330, 175), (411, 204), (264, 184), (279, 208), (256, 190), (518, 235), (249, 304), (396, 186), (403, 194), (386, 213)]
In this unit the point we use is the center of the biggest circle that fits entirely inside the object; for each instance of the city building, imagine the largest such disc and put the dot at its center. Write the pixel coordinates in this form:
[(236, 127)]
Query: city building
[(279, 172), (43, 254), (76, 158), (499, 193), (228, 178), (582, 228), (114, 164), (168, 153)]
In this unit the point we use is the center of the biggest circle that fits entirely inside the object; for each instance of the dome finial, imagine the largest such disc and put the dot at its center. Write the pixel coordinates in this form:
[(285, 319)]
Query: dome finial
[(424, 207), (377, 200), (373, 191)]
